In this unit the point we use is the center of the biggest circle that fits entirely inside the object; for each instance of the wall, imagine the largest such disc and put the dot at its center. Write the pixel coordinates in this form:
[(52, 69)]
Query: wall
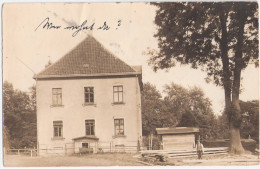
[(178, 142), (73, 113)]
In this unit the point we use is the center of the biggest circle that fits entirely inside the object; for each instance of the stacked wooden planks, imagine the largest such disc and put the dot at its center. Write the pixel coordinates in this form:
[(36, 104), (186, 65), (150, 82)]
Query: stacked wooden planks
[(162, 155)]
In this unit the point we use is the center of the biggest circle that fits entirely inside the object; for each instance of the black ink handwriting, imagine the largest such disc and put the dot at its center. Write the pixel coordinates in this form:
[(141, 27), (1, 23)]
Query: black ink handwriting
[(80, 27), (104, 26), (48, 25)]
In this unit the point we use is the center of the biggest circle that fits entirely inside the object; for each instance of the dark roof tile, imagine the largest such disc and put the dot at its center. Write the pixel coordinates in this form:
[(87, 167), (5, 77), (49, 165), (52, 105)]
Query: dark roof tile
[(87, 58)]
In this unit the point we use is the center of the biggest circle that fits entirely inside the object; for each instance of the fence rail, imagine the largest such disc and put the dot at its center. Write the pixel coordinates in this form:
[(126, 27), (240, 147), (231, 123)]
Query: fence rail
[(28, 152), (70, 148)]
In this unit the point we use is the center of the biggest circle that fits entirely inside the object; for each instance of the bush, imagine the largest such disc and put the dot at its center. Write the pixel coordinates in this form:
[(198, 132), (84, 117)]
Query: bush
[(156, 142), (248, 144)]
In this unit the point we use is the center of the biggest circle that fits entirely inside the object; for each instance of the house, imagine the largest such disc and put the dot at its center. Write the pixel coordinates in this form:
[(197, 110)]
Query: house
[(89, 100), (178, 138)]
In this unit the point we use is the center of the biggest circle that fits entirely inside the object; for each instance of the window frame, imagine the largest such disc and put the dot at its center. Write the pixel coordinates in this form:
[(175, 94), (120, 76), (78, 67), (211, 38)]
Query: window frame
[(58, 126), (90, 127), (119, 127), (83, 145), (56, 95), (116, 93), (88, 94)]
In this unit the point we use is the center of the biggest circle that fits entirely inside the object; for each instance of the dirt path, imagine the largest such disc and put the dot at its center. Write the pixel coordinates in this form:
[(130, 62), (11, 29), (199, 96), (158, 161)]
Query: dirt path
[(105, 160), (124, 160), (228, 160)]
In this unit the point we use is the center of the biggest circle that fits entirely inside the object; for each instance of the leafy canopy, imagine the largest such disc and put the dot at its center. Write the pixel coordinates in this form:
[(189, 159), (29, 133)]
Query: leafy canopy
[(191, 33)]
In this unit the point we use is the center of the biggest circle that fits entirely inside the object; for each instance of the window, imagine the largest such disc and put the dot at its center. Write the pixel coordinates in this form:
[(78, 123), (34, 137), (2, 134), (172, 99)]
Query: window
[(57, 126), (84, 145), (118, 94), (56, 96), (89, 94), (90, 127), (119, 127)]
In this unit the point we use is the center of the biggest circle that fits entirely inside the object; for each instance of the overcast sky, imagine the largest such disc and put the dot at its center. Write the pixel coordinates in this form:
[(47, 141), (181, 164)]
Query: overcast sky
[(131, 32)]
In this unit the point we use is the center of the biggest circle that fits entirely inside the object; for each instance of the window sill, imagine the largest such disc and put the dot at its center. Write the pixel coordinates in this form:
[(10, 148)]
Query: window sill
[(118, 103), (119, 136), (56, 106), (89, 104), (57, 138)]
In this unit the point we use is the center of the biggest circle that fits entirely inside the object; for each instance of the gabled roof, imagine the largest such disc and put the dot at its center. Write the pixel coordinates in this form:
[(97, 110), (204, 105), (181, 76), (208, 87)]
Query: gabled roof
[(89, 58), (177, 130)]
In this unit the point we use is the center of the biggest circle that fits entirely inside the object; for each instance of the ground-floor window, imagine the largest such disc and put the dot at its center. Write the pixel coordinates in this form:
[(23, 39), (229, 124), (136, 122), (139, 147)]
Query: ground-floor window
[(119, 127), (57, 128), (84, 145), (90, 127)]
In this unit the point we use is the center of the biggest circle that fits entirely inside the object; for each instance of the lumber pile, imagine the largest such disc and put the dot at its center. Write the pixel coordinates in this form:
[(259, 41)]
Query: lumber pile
[(163, 155)]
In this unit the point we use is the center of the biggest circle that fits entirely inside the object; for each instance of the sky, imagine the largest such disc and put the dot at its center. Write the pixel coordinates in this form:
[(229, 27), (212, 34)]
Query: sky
[(26, 50)]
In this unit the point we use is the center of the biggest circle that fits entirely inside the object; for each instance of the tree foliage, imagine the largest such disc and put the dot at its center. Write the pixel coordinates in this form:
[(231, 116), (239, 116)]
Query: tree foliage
[(249, 123), (180, 107), (250, 119), (220, 38), (153, 114), (188, 120), (19, 115), (190, 33), (191, 107)]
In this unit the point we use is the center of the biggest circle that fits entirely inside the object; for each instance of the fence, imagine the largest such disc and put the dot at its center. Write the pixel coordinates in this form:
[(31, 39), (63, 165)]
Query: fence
[(97, 147), (64, 149), (27, 152)]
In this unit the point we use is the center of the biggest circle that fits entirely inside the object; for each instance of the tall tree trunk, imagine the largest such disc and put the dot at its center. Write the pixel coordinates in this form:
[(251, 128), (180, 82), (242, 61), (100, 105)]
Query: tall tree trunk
[(230, 104), (236, 146), (225, 63)]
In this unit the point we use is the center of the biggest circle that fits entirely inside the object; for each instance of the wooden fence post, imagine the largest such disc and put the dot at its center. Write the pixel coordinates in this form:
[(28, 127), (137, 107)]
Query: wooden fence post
[(65, 149), (151, 141), (38, 149), (31, 153), (18, 151)]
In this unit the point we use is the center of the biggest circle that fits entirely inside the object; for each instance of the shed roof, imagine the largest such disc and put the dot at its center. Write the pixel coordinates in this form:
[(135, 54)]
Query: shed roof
[(86, 137), (88, 58), (177, 130)]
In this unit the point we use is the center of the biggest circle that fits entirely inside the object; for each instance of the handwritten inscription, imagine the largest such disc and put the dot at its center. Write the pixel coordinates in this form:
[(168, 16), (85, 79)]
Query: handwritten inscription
[(48, 25)]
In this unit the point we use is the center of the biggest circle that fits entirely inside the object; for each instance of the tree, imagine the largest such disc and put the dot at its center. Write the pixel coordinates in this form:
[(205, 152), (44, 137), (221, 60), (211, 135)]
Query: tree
[(190, 108), (188, 120), (176, 100), (220, 38), (222, 130), (153, 115), (250, 119), (19, 115)]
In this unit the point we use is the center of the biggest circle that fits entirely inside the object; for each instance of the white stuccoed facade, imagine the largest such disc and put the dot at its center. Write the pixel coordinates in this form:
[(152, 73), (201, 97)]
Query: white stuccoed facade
[(74, 112)]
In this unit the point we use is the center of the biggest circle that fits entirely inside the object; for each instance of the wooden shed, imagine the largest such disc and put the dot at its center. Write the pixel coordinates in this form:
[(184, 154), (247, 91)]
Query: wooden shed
[(178, 138)]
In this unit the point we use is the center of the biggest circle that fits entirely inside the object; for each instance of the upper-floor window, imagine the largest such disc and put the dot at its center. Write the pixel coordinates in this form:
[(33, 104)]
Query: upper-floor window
[(89, 94), (119, 127), (57, 128), (118, 94), (90, 127), (56, 96)]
